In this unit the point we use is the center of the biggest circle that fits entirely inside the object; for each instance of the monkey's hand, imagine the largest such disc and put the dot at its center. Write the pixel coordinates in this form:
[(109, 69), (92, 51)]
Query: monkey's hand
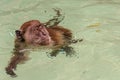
[(10, 71)]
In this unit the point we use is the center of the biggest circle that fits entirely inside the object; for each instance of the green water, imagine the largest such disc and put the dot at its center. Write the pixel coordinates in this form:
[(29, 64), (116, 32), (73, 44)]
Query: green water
[(96, 21)]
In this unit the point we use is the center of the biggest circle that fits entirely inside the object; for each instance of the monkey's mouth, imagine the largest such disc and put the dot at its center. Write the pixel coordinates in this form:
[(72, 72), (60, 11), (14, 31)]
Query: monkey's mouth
[(42, 42)]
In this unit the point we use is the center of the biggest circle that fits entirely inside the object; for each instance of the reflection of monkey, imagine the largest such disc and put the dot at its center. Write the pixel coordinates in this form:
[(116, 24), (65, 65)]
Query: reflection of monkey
[(34, 33)]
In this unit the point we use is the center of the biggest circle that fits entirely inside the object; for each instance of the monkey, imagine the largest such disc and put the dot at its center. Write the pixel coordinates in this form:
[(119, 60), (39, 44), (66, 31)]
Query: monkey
[(33, 34)]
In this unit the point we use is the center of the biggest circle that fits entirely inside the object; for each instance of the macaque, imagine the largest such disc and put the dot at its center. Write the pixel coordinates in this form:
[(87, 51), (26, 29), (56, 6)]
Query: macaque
[(36, 34)]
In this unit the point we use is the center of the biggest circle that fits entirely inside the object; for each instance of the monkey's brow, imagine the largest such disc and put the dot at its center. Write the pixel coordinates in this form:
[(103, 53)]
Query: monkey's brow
[(37, 26), (41, 26)]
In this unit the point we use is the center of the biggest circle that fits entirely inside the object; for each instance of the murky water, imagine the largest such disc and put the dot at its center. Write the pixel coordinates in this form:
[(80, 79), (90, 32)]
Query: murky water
[(96, 21)]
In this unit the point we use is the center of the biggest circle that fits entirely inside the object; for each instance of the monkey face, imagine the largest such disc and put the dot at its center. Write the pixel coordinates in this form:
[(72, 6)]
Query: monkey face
[(36, 35)]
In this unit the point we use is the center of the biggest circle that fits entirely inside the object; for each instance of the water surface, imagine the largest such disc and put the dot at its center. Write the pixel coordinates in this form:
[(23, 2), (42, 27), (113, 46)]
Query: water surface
[(96, 21)]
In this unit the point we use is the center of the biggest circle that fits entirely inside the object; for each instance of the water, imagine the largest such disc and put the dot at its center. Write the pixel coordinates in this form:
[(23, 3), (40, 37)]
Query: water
[(95, 21)]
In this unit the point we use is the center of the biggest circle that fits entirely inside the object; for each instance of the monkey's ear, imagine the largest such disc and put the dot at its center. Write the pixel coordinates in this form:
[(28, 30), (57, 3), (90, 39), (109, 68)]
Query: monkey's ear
[(19, 35)]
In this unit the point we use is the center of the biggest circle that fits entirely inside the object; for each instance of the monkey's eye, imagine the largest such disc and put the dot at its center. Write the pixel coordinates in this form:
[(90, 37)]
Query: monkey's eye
[(41, 26), (37, 27)]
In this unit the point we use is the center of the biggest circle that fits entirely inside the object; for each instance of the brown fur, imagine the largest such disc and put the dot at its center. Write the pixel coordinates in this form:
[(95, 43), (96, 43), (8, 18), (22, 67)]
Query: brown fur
[(37, 34)]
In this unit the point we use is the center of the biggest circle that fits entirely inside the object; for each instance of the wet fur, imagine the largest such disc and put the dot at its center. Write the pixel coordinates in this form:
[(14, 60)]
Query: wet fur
[(32, 33)]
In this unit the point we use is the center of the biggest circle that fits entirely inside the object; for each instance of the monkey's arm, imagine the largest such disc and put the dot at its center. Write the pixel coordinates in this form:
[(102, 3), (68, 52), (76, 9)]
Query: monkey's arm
[(17, 57)]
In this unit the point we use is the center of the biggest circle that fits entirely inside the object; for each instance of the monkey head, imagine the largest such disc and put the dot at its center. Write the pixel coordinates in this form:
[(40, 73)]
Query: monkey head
[(34, 33)]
